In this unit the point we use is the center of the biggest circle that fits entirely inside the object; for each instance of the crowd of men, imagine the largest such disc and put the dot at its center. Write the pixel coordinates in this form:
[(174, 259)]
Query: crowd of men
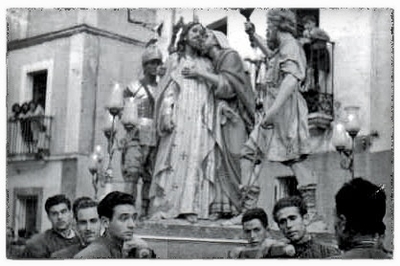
[(106, 230), (87, 230), (359, 227), (198, 150)]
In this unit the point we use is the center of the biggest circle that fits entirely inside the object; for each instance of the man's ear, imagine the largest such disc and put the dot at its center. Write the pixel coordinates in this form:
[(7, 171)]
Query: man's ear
[(306, 219), (105, 221), (341, 222)]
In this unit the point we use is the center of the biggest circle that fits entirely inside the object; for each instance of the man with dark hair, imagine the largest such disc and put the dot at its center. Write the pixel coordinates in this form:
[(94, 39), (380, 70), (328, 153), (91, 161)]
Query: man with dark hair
[(61, 235), (359, 227), (118, 216), (255, 228), (87, 225), (291, 215)]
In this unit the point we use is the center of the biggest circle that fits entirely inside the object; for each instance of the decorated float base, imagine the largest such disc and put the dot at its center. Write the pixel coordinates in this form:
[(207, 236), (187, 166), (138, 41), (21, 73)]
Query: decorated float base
[(178, 239)]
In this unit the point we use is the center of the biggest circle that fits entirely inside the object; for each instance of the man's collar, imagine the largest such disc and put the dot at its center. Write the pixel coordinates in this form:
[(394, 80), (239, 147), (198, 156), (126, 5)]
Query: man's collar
[(360, 241), (67, 234), (113, 241), (306, 239)]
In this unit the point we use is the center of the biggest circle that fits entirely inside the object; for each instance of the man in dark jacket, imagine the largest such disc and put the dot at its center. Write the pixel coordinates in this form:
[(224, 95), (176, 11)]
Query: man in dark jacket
[(290, 214), (360, 208), (260, 244), (118, 216), (87, 225), (60, 236)]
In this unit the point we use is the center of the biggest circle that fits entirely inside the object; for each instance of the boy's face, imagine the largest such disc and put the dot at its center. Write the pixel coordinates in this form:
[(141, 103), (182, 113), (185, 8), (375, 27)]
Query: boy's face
[(291, 223), (16, 109), (60, 216), (32, 106), (254, 231), (309, 25), (123, 222), (88, 224)]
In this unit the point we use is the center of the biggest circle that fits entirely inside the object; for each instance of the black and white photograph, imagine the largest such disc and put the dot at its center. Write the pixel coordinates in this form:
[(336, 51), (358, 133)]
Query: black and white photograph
[(199, 133)]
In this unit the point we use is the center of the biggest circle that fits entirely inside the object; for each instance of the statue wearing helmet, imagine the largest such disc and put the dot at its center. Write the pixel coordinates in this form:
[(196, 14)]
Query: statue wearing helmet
[(138, 145)]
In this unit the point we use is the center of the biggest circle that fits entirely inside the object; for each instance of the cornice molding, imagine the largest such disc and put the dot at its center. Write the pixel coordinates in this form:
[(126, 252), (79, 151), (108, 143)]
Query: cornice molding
[(83, 28)]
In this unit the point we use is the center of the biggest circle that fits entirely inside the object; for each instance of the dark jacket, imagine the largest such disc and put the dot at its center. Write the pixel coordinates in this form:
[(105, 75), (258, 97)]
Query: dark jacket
[(105, 247), (365, 253), (46, 243), (311, 249), (68, 252)]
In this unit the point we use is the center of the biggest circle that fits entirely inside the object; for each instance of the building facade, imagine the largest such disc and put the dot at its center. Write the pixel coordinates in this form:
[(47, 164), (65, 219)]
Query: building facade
[(79, 54)]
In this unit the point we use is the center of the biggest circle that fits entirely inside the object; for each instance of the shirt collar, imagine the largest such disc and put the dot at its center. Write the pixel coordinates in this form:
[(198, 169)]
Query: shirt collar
[(305, 240), (113, 242), (364, 242), (67, 234)]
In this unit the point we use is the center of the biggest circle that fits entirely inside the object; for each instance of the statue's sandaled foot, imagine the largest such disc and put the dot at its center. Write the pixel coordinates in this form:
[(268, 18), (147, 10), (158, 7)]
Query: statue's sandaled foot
[(191, 218), (144, 217), (156, 217), (237, 220), (215, 216)]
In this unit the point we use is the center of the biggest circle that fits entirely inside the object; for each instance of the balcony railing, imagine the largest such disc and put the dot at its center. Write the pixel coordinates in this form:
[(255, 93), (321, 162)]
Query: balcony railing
[(29, 136), (318, 88)]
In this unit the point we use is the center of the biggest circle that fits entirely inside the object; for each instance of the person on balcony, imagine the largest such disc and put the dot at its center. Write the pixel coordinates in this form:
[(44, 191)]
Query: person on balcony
[(314, 41), (14, 134), (26, 130), (36, 115), (139, 143)]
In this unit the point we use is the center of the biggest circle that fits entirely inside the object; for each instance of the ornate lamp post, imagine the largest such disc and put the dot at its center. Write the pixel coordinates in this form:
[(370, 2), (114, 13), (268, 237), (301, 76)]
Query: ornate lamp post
[(100, 177), (344, 135)]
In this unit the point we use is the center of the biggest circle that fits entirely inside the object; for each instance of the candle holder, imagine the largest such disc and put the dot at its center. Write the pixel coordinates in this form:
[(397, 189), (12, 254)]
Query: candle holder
[(95, 166), (344, 137), (100, 177), (347, 158), (110, 135)]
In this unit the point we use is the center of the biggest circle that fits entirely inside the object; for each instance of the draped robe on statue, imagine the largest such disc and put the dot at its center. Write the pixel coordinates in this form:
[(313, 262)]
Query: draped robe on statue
[(288, 140), (235, 118), (185, 165)]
